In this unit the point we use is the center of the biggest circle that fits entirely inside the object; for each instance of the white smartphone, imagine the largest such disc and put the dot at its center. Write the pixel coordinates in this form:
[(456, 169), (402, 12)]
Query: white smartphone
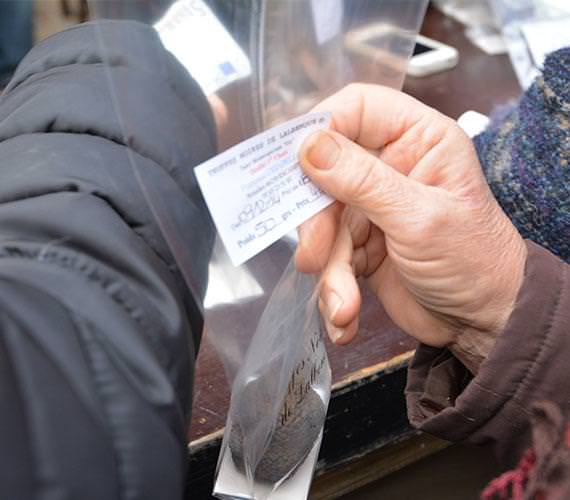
[(383, 43), (430, 56)]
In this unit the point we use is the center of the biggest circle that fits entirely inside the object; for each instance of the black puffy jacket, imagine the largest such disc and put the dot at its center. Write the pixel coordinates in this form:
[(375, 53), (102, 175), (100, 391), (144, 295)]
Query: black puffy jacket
[(98, 328)]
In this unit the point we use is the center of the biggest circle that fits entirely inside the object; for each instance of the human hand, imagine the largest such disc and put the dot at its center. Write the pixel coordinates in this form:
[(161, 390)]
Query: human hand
[(220, 112), (414, 216)]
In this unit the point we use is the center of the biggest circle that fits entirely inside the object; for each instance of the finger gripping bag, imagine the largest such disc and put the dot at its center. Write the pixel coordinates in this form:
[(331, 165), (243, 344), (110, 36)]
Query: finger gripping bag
[(261, 62)]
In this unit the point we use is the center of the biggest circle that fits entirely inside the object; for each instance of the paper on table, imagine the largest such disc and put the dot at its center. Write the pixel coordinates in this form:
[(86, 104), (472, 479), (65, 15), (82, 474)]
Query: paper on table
[(543, 37), (192, 32), (327, 18)]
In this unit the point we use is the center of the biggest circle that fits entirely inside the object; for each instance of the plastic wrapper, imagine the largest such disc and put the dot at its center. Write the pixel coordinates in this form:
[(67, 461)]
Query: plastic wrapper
[(280, 392), (480, 24), (261, 62)]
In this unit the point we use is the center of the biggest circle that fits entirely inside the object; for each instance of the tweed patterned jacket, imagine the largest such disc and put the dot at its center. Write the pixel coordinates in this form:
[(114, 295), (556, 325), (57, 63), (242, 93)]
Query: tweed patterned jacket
[(525, 154), (519, 401)]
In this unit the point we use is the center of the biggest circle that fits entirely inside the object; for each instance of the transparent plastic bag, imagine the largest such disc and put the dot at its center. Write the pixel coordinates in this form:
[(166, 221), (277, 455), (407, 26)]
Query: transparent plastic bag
[(480, 24), (531, 29), (279, 399), (260, 317)]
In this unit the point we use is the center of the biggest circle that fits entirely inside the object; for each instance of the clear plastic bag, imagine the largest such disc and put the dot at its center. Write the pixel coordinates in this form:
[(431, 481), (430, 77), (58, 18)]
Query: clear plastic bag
[(262, 316), (279, 399), (531, 29), (480, 24)]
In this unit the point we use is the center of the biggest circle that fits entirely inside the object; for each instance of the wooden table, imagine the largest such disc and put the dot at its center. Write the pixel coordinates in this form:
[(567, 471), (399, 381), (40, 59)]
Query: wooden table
[(479, 82), (367, 433)]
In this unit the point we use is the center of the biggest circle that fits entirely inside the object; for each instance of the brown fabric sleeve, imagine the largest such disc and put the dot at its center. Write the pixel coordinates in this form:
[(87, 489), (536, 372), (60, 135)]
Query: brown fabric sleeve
[(530, 362)]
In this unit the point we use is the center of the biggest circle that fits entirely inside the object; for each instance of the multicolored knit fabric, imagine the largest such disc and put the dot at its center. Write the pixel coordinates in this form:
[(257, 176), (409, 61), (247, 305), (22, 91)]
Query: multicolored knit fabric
[(543, 472), (525, 154)]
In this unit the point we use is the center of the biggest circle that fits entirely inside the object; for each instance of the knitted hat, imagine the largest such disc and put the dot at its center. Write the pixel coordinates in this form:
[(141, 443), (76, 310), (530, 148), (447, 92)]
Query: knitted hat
[(525, 154)]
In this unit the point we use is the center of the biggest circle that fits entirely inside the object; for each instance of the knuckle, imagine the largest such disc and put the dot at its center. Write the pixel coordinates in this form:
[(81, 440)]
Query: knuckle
[(361, 175), (353, 89), (349, 218), (357, 224), (430, 222)]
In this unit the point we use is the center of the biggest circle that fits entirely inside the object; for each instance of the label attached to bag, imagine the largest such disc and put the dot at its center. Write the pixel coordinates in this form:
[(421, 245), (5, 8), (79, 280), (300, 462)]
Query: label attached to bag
[(257, 192)]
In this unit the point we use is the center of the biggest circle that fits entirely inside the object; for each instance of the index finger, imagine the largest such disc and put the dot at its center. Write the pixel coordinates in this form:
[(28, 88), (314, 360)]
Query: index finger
[(359, 108), (375, 116), (316, 239)]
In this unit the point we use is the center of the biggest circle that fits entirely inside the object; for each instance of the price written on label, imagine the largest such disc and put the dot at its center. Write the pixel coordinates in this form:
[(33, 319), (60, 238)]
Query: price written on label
[(257, 192)]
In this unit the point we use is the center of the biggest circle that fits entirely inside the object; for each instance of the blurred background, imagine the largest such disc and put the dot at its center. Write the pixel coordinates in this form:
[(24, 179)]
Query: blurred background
[(26, 22), (51, 16)]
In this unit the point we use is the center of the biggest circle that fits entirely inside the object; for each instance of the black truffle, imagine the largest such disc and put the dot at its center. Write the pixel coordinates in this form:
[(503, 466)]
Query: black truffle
[(299, 424)]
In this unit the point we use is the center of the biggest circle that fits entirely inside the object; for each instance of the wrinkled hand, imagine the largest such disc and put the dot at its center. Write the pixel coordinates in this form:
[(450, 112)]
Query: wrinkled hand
[(414, 216)]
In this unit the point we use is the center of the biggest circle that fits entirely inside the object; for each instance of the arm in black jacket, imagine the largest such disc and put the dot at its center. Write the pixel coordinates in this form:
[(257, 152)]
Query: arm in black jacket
[(98, 329)]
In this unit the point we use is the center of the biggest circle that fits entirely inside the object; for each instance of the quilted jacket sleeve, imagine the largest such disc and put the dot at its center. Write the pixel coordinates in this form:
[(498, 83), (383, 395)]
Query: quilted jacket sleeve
[(99, 329)]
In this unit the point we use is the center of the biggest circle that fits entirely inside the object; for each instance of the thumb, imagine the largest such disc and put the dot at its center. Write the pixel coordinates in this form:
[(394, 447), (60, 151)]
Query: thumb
[(357, 178)]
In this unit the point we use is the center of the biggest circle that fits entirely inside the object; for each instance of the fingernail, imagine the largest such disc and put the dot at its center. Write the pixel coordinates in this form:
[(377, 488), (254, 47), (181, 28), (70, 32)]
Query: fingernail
[(335, 334), (333, 303), (322, 151)]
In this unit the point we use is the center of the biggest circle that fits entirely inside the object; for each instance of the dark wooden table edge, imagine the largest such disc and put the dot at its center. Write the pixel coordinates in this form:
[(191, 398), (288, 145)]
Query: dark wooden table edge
[(373, 465)]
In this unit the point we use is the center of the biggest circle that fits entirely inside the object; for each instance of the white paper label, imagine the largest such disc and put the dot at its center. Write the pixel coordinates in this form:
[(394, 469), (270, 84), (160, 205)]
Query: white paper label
[(192, 32), (257, 192)]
